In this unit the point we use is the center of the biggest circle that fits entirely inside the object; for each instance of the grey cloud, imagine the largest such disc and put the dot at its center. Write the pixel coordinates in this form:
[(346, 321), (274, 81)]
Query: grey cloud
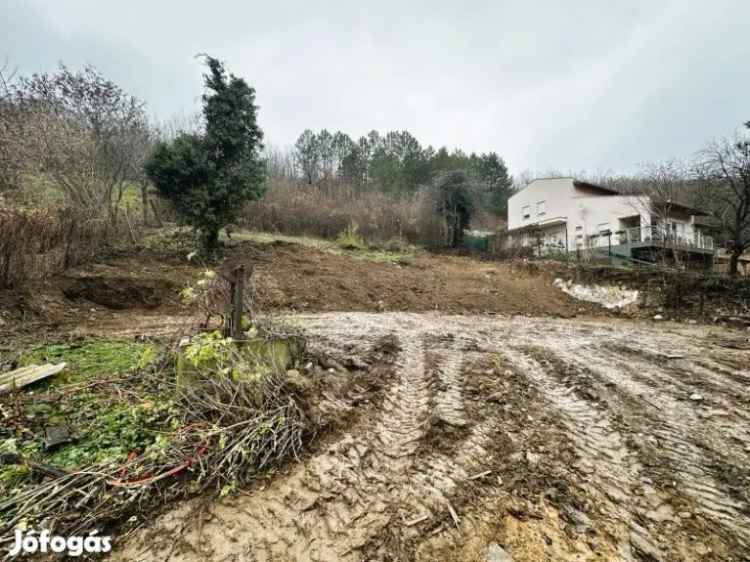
[(574, 85)]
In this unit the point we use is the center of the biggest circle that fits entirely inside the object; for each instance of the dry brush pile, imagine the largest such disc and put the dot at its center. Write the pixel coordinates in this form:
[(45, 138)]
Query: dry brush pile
[(232, 415)]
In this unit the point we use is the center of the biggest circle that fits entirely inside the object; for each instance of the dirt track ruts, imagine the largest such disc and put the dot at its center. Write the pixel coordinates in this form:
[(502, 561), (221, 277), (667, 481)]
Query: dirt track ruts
[(650, 472)]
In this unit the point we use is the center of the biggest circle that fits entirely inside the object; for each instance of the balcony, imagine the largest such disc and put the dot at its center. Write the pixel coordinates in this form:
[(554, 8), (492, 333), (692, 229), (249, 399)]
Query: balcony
[(658, 236)]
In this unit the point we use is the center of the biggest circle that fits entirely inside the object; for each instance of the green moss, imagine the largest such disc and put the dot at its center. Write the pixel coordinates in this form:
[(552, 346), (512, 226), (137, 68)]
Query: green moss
[(91, 357), (248, 360)]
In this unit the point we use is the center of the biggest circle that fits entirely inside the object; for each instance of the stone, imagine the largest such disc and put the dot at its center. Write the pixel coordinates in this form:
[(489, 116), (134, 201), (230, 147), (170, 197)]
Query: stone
[(55, 435), (695, 397), (532, 458), (496, 553), (658, 317)]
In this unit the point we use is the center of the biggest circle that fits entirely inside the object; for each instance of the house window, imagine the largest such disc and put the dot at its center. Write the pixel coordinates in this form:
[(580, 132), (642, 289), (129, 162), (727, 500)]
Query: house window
[(541, 208), (526, 209), (602, 228)]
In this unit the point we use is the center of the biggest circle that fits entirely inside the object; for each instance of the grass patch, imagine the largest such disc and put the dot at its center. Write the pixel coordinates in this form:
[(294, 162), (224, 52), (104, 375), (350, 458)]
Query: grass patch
[(90, 357), (116, 431), (350, 239)]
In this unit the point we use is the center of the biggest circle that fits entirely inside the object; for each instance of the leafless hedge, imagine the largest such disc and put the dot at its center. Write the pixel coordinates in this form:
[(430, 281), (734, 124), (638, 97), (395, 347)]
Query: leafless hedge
[(36, 243)]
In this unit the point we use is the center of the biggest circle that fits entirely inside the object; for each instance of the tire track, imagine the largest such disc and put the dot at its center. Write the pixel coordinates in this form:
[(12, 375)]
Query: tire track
[(603, 454), (379, 489), (680, 446)]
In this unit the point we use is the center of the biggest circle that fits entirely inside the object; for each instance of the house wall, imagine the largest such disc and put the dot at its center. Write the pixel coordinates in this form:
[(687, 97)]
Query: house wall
[(592, 215), (555, 193), (585, 211)]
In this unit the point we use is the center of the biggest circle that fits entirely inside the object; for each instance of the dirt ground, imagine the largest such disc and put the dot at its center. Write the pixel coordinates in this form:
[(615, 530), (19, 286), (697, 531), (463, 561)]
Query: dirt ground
[(108, 296), (548, 439), (490, 416)]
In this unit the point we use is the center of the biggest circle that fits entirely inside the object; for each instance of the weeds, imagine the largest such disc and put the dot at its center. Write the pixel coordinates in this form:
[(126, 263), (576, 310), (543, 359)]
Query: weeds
[(350, 239)]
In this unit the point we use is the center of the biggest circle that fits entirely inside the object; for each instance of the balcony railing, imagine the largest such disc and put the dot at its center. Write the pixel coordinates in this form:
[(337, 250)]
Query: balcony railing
[(660, 236)]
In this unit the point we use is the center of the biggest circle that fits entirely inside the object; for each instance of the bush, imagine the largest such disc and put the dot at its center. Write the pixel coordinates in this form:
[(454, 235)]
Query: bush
[(326, 211), (35, 244)]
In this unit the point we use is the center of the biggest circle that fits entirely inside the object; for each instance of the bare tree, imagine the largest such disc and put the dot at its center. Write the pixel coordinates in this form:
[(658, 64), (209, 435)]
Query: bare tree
[(82, 131), (724, 169), (14, 139), (280, 162)]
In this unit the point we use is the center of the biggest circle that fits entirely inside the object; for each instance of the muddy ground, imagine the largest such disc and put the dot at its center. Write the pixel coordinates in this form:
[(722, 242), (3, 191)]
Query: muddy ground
[(548, 439), (489, 416)]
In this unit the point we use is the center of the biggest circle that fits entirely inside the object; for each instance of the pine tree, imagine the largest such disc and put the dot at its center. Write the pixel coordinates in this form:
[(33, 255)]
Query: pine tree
[(208, 176)]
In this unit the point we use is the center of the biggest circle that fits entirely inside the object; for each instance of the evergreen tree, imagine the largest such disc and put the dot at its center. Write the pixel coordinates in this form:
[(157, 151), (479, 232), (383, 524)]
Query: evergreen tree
[(209, 175), (492, 174), (453, 192)]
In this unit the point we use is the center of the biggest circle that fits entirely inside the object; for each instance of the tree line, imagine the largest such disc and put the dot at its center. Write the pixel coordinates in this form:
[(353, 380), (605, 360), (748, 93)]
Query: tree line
[(394, 162), (89, 138)]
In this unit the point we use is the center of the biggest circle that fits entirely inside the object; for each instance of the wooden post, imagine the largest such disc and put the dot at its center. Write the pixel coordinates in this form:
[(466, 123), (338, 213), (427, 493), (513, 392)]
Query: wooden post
[(238, 301)]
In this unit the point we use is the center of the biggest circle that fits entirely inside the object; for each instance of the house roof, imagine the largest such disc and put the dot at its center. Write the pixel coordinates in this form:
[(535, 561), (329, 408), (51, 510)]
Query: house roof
[(595, 187), (684, 208)]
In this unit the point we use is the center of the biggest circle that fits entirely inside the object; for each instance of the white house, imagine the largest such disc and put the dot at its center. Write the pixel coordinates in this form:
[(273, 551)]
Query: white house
[(566, 215)]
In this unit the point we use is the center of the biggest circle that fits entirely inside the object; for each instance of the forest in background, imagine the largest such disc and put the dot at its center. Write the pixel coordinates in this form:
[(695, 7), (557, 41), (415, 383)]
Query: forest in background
[(73, 145)]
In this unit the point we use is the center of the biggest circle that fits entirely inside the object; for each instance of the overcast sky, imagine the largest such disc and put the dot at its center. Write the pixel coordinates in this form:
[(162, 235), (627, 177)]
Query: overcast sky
[(566, 85)]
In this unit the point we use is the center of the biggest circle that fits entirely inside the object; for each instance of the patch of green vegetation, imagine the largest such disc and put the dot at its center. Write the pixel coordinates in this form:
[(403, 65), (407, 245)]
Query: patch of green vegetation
[(92, 357), (350, 239), (113, 433)]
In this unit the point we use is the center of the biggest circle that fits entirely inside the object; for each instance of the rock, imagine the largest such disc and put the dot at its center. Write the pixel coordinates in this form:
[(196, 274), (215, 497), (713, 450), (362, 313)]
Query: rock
[(532, 458), (332, 365), (496, 553), (658, 317), (55, 435), (685, 514), (695, 397)]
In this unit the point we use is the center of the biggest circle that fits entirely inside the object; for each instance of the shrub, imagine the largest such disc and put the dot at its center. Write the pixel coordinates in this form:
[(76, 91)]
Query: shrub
[(35, 244), (326, 211)]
